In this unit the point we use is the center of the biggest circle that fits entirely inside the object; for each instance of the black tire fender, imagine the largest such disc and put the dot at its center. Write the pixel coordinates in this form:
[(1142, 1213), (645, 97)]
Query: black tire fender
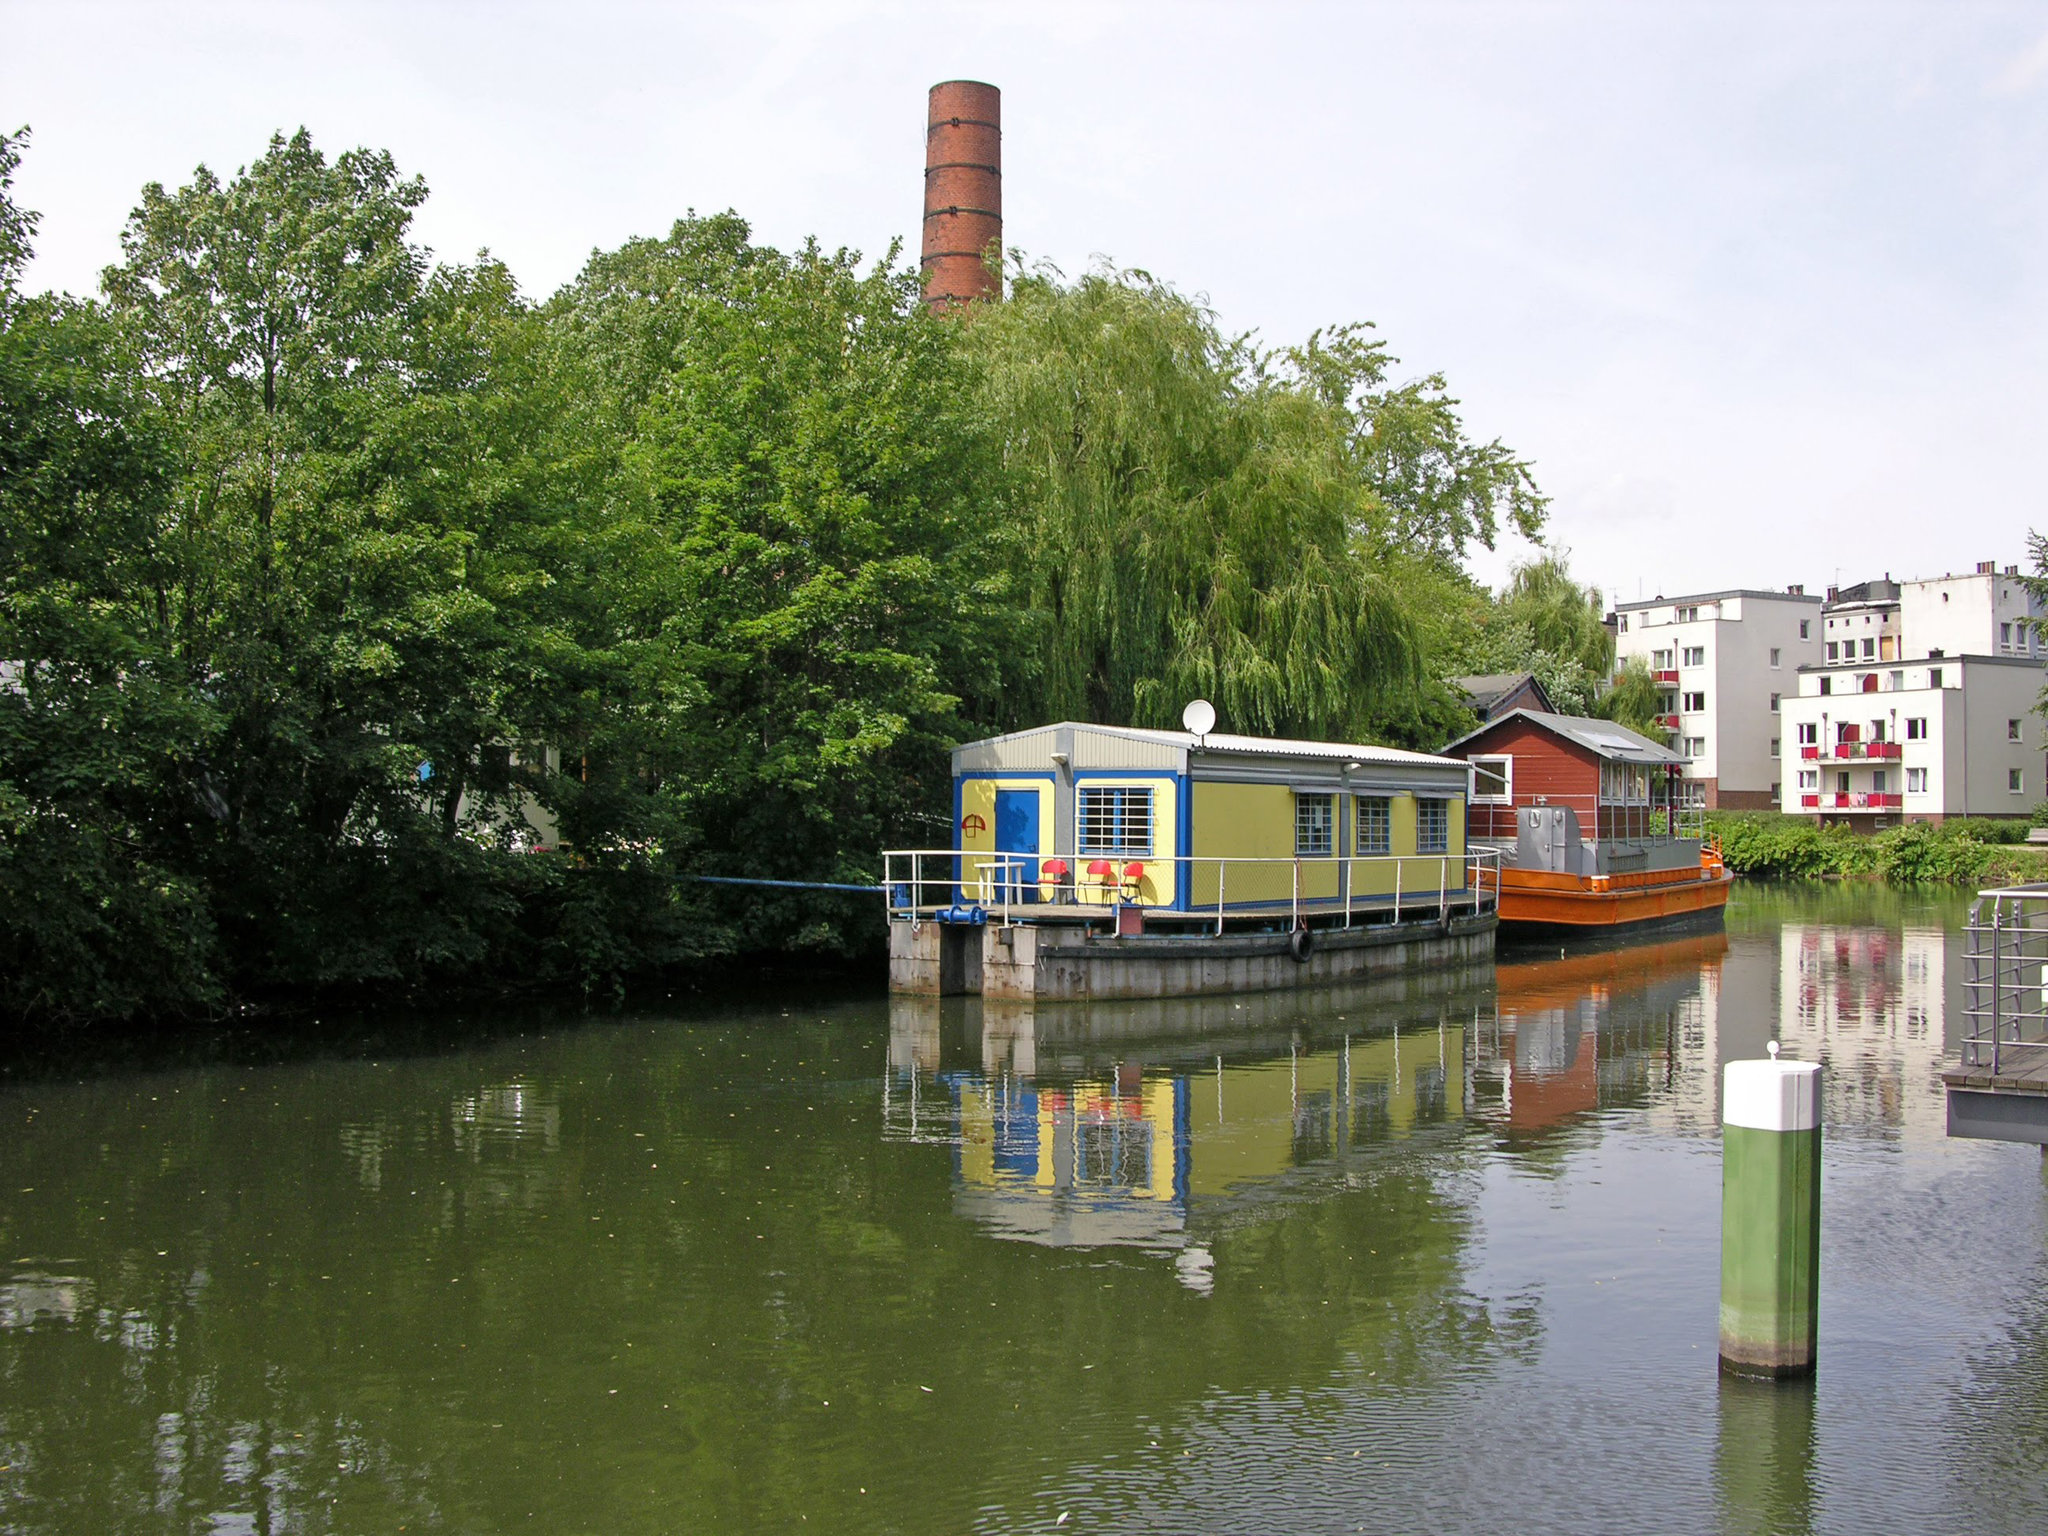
[(1300, 944)]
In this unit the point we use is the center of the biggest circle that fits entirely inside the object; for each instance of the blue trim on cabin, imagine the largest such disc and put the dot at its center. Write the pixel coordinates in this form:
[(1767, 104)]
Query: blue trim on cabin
[(1184, 843)]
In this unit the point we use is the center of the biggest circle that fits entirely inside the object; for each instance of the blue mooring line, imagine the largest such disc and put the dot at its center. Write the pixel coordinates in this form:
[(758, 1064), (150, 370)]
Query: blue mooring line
[(786, 885)]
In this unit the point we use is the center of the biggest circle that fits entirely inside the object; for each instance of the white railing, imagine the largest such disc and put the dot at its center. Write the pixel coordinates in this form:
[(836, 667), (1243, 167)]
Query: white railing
[(2006, 986), (1007, 886)]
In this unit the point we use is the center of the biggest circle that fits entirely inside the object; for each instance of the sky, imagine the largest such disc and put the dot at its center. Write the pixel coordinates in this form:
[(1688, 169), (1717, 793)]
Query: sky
[(1761, 292)]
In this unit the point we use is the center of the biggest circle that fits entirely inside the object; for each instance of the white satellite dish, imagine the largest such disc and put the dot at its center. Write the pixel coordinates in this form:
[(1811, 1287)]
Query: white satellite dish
[(1199, 717)]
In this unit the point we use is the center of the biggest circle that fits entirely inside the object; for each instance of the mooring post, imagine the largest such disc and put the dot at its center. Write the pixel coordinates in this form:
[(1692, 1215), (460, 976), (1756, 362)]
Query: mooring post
[(1770, 1216)]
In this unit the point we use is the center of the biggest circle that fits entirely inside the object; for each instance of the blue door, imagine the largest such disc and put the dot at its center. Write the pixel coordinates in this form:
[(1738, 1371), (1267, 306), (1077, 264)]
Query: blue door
[(1017, 832)]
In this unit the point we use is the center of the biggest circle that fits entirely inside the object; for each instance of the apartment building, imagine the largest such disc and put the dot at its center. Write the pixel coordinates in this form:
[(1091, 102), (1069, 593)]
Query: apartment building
[(1923, 704), (1725, 661)]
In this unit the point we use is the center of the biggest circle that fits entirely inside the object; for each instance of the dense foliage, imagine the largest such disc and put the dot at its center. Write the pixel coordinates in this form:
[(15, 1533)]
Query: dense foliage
[(1966, 851)]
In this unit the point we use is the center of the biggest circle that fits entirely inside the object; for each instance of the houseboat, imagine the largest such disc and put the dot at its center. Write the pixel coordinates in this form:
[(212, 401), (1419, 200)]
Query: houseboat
[(1585, 817), (1107, 861)]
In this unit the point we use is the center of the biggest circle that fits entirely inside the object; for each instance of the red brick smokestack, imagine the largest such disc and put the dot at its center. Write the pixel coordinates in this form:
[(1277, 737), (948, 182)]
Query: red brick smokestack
[(963, 193)]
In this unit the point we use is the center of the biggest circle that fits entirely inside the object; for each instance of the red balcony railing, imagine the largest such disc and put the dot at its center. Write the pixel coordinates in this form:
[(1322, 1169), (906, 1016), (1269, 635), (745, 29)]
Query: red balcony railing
[(1669, 675), (1809, 802), (1864, 751), (1875, 800), (1669, 722), (1809, 753)]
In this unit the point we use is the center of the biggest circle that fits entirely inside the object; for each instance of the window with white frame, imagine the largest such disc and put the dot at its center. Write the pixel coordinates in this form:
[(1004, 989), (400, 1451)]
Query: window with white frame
[(1809, 778), (2012, 730), (1693, 703), (1916, 781), (1774, 657), (1493, 781), (1315, 830), (1774, 703), (1695, 656), (1877, 781), (1806, 629), (1660, 661), (1372, 816), (1809, 733), (1115, 819), (1934, 676), (1695, 746), (1833, 650), (1432, 826), (1869, 647), (2016, 780), (1774, 746), (1916, 728)]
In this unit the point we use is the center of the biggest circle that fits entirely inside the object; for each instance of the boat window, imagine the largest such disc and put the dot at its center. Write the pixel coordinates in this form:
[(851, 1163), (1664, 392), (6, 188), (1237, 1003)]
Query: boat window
[(1432, 826), (1493, 780), (1115, 819), (1375, 822), (1315, 819)]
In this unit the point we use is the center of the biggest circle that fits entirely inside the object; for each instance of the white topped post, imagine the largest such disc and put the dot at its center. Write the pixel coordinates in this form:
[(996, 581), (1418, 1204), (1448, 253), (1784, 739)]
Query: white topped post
[(1770, 1216)]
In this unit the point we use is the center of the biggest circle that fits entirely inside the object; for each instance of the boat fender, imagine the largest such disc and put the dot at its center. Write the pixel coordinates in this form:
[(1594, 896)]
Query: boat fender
[(1300, 943)]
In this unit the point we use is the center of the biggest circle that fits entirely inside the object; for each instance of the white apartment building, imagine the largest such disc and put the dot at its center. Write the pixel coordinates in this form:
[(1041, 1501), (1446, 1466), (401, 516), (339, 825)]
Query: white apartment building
[(1725, 659), (1922, 706)]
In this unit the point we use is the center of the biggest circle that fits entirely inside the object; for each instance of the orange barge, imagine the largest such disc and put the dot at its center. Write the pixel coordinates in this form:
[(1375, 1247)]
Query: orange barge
[(1538, 779)]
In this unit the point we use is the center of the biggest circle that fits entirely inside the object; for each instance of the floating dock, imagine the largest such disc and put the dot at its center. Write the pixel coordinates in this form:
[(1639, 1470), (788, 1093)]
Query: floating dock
[(1999, 1091)]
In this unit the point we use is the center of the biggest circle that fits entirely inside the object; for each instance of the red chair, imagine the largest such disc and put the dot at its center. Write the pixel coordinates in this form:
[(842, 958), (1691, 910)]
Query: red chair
[(1052, 879), (1103, 873), (1134, 876)]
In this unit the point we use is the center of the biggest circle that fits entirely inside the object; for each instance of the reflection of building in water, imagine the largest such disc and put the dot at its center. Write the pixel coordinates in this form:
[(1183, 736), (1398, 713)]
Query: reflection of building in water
[(1870, 1004), (1622, 1025), (33, 1295), (1157, 1146)]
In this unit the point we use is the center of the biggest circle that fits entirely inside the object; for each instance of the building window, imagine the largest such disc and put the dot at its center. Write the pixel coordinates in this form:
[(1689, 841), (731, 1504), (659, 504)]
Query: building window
[(1809, 734), (1493, 780), (1624, 784), (1806, 629), (1115, 820), (1695, 656), (1774, 656), (1916, 728), (2012, 730), (2005, 637), (1774, 746), (1809, 778), (1898, 681), (1827, 685), (2015, 781), (1371, 815), (1314, 821), (1877, 782), (1774, 703), (1695, 746), (1432, 826), (1842, 783), (1777, 792), (1916, 781), (1623, 624), (1869, 648), (1934, 677), (1661, 660), (1695, 703), (1832, 650)]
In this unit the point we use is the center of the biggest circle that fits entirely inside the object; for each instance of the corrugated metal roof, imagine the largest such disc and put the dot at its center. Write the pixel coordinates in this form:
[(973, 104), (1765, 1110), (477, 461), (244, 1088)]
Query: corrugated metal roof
[(1603, 738), (1262, 746)]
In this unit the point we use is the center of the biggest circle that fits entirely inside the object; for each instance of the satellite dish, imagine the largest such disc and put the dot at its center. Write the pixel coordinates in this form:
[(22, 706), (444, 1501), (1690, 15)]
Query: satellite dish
[(1199, 717)]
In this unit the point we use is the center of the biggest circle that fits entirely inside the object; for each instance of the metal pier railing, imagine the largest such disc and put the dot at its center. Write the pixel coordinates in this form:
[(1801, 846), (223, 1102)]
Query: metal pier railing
[(919, 882), (2006, 980)]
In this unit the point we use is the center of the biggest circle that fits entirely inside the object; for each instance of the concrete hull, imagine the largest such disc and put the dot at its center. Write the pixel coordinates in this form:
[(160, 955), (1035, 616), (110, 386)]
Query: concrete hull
[(1063, 964)]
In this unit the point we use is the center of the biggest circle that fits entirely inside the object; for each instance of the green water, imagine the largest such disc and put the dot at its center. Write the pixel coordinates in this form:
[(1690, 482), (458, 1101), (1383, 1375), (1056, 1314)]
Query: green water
[(1435, 1257)]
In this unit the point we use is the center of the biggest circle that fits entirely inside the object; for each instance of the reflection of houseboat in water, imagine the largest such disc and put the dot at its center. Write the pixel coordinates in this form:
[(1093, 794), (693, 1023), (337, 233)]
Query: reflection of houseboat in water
[(1545, 1050), (1586, 819), (1160, 1144)]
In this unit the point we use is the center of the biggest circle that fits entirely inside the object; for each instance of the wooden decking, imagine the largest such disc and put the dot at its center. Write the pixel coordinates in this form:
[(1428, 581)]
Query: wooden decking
[(2023, 1070)]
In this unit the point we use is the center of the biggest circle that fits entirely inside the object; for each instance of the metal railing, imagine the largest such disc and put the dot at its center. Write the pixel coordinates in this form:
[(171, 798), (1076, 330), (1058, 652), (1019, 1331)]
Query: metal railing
[(1009, 886), (2005, 1017)]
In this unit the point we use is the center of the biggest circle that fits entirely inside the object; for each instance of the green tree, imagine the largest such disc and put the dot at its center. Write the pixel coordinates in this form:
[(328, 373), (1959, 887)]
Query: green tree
[(804, 593), (1636, 700), (97, 733)]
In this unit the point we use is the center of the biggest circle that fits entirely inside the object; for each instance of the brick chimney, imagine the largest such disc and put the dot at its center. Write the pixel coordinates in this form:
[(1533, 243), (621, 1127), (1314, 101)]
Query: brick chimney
[(963, 193)]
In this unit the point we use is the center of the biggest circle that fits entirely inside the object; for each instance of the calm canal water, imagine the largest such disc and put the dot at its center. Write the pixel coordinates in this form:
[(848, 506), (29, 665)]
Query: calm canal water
[(1440, 1257)]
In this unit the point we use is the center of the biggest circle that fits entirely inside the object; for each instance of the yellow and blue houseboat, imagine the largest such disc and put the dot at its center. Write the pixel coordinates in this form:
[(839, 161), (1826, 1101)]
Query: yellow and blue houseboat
[(1114, 861)]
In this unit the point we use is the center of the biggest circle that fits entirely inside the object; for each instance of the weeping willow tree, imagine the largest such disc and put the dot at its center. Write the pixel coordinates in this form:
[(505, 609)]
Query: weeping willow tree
[(1190, 515), (1565, 619)]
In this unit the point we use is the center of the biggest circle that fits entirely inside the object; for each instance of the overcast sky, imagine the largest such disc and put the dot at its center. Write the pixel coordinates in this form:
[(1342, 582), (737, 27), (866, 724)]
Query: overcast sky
[(1762, 292)]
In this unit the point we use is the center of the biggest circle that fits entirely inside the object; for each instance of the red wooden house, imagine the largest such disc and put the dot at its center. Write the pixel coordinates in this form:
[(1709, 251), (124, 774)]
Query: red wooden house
[(1618, 783)]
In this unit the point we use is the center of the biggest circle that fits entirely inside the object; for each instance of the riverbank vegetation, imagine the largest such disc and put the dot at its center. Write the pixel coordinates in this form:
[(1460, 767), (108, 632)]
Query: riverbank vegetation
[(369, 627), (1971, 851)]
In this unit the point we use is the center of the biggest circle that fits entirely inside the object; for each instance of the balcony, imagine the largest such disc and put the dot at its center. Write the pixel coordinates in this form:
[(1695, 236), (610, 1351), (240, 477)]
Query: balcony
[(1864, 751), (1809, 753), (1875, 800), (1809, 802), (1668, 676), (1668, 722)]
